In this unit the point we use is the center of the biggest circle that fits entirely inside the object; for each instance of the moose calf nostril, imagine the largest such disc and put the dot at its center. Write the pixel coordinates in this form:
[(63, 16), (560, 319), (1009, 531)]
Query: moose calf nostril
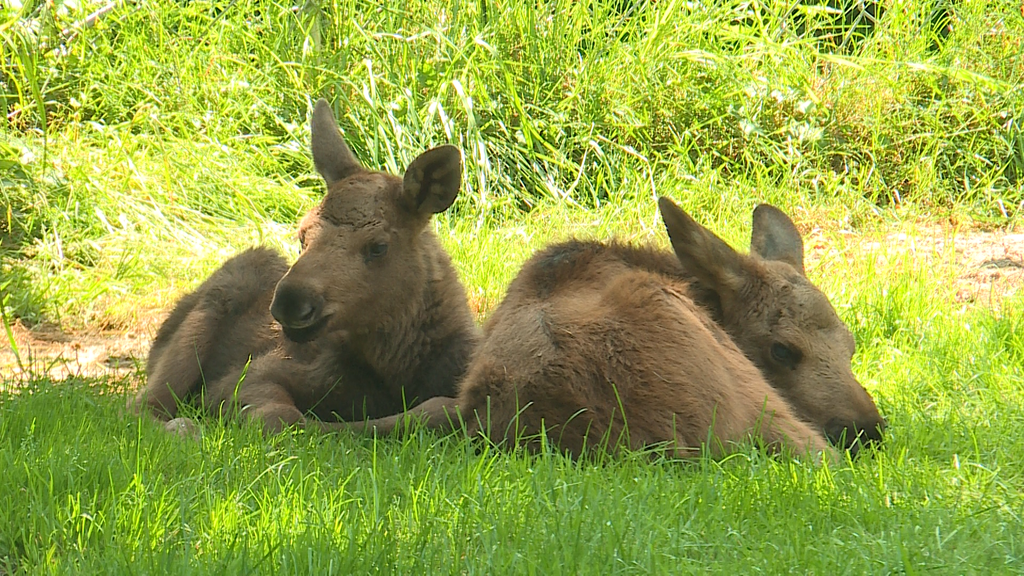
[(855, 435), (837, 433), (875, 432)]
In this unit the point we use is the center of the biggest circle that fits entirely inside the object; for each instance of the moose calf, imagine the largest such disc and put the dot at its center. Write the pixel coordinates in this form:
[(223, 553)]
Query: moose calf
[(602, 344), (370, 319)]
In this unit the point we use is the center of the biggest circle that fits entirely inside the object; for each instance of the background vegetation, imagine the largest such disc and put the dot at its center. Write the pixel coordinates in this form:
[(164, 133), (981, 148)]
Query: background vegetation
[(175, 130), (139, 152)]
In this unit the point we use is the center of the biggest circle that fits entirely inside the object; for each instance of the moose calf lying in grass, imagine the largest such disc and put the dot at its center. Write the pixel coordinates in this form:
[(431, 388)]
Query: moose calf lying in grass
[(370, 319), (608, 344)]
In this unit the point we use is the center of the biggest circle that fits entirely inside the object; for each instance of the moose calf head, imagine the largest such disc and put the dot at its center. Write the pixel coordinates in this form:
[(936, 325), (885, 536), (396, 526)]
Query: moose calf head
[(782, 322), (364, 245)]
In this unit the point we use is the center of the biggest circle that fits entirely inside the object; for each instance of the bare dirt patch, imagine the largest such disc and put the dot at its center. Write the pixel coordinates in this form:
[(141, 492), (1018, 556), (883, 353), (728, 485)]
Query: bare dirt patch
[(988, 266), (47, 351)]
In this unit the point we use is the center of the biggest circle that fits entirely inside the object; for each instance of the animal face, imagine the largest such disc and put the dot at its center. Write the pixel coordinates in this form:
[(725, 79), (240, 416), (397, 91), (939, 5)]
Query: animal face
[(364, 245), (782, 322)]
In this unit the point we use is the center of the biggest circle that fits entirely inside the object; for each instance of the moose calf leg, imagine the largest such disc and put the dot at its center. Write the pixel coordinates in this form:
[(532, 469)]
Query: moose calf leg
[(438, 413), (275, 416), (178, 368), (780, 428), (264, 401)]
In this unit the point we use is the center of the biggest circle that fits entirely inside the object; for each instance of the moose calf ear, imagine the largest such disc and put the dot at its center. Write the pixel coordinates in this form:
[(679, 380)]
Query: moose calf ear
[(331, 156), (701, 253), (432, 180), (774, 237)]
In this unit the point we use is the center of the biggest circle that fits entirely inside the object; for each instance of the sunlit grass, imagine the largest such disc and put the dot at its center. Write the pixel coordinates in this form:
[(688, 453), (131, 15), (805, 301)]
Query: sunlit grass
[(176, 133), (100, 491)]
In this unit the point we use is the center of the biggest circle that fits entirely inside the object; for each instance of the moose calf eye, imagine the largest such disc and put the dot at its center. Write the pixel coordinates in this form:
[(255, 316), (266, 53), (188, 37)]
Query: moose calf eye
[(376, 250), (785, 355)]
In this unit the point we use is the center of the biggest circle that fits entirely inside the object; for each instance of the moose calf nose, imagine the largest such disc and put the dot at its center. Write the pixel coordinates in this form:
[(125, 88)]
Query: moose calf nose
[(855, 435), (295, 307), (873, 431)]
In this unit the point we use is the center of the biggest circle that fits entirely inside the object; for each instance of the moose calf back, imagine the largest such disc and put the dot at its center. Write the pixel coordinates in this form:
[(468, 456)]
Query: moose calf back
[(212, 331), (599, 353)]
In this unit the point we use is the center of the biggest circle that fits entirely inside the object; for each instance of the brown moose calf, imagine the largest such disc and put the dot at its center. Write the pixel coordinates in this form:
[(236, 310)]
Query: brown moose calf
[(610, 345), (370, 319)]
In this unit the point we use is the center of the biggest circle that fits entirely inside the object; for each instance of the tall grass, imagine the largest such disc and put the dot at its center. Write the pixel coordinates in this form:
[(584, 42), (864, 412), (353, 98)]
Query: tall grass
[(559, 99), (174, 130)]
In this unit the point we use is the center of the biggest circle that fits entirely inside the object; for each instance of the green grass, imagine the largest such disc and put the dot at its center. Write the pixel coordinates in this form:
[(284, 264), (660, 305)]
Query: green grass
[(97, 491), (139, 154)]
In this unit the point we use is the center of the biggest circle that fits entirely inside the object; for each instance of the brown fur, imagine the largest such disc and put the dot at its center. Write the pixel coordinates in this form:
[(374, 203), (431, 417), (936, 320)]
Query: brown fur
[(369, 320), (213, 330), (608, 344)]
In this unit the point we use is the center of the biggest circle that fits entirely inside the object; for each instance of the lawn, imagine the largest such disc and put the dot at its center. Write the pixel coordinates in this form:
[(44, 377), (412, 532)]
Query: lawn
[(141, 149)]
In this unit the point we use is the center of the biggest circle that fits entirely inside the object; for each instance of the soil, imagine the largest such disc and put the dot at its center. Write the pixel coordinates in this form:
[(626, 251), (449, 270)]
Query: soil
[(989, 266), (45, 350)]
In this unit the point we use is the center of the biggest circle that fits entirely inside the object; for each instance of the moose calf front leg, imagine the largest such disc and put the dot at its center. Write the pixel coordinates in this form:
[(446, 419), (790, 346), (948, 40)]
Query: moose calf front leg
[(438, 413), (275, 416), (268, 403)]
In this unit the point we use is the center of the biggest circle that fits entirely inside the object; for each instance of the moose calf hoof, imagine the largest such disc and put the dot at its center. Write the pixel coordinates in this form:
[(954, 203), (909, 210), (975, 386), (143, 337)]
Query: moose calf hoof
[(183, 427)]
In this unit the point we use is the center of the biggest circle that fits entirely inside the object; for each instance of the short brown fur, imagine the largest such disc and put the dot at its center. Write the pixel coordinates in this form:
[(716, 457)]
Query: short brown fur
[(611, 344), (213, 330), (369, 320)]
